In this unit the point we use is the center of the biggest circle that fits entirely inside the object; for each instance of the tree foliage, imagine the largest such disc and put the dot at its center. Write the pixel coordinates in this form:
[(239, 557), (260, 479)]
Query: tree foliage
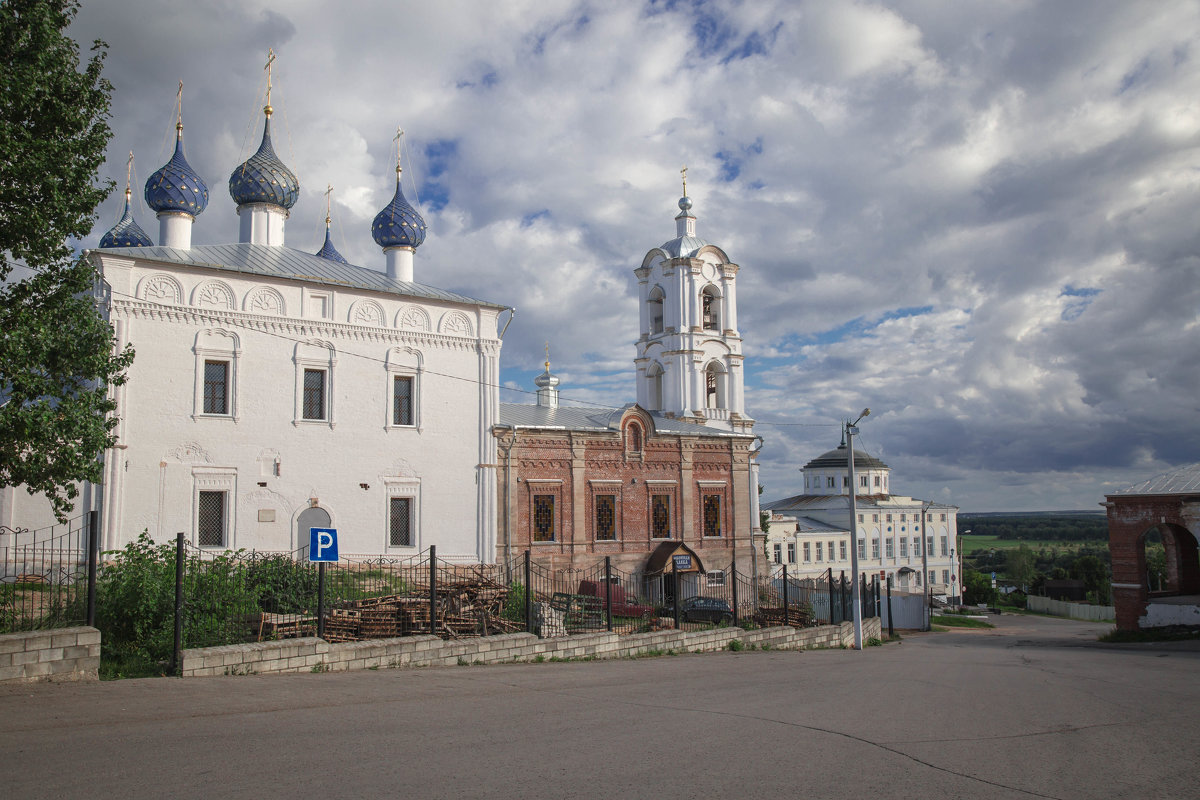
[(57, 358)]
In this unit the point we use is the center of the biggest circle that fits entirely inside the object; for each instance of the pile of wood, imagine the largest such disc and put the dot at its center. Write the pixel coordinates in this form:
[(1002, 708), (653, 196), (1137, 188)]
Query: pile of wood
[(798, 616), (470, 605)]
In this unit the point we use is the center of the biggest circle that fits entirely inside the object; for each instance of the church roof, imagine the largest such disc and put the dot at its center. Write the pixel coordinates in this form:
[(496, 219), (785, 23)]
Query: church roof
[(837, 459), (1184, 480), (263, 178), (329, 252), (126, 233), (286, 262), (176, 186), (683, 246), (398, 224), (524, 415)]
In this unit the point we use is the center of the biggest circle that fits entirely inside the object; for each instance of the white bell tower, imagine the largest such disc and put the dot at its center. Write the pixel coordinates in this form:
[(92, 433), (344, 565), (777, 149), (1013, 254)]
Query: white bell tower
[(689, 353)]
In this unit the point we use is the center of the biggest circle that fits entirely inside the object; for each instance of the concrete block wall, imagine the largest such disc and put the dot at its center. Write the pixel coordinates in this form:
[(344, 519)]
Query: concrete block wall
[(66, 654), (316, 655)]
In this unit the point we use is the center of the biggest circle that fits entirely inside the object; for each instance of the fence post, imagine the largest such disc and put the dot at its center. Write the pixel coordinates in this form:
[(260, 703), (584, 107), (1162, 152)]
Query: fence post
[(177, 650), (862, 594), (832, 621), (528, 596), (433, 589), (785, 596), (92, 565), (733, 569), (891, 630), (675, 598), (320, 599), (608, 593)]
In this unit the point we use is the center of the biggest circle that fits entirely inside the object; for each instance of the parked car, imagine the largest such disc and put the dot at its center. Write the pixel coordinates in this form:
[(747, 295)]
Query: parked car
[(622, 606), (705, 609)]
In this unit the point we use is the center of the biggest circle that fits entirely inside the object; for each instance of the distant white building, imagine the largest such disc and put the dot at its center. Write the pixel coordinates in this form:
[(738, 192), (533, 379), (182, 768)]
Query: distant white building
[(810, 532), (274, 390)]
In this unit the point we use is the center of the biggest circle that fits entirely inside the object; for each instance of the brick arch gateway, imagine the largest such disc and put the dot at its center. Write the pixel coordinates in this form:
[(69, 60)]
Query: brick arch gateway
[(1169, 504)]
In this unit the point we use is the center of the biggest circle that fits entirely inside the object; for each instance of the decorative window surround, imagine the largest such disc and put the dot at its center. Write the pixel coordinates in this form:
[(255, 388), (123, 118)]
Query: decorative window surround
[(315, 355), (215, 479), (403, 487), (217, 344)]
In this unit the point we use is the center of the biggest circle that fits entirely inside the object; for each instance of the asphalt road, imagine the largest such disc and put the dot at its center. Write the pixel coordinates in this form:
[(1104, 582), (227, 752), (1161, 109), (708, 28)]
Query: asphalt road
[(1035, 708)]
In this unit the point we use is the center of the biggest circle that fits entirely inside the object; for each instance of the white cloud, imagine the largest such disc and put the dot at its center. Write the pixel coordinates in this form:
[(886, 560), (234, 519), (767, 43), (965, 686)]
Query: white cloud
[(976, 218)]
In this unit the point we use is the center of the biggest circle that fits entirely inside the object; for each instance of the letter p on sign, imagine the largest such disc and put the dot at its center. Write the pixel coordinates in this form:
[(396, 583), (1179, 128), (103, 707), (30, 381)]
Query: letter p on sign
[(322, 544)]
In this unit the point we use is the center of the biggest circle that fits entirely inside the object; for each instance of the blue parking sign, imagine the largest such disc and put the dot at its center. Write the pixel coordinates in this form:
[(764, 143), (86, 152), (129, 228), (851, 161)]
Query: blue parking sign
[(322, 544)]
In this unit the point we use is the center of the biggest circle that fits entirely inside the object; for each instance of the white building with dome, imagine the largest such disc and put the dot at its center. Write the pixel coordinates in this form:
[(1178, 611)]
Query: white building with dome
[(810, 532), (274, 389)]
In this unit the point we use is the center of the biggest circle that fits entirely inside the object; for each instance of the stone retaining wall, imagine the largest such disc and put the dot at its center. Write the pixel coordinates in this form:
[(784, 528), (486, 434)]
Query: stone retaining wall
[(66, 654), (316, 655)]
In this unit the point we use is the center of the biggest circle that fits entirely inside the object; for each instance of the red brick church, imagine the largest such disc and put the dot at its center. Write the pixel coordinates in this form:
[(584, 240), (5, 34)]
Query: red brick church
[(673, 473)]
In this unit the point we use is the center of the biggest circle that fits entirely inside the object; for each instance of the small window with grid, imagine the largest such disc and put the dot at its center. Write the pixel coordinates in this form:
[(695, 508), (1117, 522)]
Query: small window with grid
[(216, 387), (402, 400), (660, 516), (842, 551), (606, 517), (778, 554), (314, 394), (400, 527), (210, 519), (543, 518), (820, 552), (712, 515), (791, 552)]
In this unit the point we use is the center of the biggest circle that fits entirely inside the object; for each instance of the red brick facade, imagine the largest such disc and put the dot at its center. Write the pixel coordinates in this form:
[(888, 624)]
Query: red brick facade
[(1130, 518), (556, 488)]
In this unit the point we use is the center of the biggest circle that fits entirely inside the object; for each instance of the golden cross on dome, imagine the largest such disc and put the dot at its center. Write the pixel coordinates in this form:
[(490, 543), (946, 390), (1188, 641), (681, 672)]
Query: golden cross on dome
[(270, 61), (547, 356), (328, 195), (683, 172), (129, 176), (399, 135), (179, 108)]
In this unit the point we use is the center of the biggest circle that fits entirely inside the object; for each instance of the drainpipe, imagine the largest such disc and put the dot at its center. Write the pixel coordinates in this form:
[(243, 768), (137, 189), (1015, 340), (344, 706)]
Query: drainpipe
[(507, 496), (753, 505)]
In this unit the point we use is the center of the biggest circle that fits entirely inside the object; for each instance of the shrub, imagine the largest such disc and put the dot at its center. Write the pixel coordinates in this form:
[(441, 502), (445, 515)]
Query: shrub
[(514, 604)]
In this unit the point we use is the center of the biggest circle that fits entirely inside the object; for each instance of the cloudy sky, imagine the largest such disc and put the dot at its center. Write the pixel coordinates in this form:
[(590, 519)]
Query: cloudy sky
[(977, 218)]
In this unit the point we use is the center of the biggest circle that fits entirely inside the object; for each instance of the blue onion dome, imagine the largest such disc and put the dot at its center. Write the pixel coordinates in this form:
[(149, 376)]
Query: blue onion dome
[(126, 233), (328, 250), (399, 224), (177, 187), (263, 178)]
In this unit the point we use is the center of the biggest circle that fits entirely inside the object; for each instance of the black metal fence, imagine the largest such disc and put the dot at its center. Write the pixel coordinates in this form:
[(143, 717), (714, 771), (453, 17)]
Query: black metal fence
[(234, 597), (44, 576)]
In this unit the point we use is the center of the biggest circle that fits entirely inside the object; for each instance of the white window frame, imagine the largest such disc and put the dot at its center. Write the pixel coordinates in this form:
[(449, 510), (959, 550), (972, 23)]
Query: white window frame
[(791, 552), (842, 550), (807, 553), (230, 355), (820, 552), (402, 487), (326, 363), (215, 479), (778, 553)]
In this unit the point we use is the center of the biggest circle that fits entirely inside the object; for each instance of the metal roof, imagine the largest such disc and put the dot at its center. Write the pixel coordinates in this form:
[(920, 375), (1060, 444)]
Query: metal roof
[(1184, 480), (683, 246), (286, 262), (525, 415), (837, 458), (800, 502)]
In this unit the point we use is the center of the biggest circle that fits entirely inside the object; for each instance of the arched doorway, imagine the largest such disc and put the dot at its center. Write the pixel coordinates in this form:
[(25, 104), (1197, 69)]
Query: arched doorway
[(312, 517)]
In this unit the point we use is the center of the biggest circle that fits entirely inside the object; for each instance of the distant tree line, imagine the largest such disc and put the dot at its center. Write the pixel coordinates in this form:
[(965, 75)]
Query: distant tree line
[(1039, 528)]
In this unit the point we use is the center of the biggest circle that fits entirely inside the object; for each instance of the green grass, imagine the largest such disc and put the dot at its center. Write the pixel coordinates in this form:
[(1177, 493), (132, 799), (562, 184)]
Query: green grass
[(1174, 633), (960, 622), (972, 543)]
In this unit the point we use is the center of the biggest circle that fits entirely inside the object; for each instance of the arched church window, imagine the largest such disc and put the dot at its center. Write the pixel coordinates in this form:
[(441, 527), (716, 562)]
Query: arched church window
[(714, 383), (711, 307), (656, 310), (633, 438), (655, 395)]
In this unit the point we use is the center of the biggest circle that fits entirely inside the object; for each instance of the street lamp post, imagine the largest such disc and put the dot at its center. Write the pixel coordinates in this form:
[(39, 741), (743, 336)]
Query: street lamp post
[(850, 431), (926, 542)]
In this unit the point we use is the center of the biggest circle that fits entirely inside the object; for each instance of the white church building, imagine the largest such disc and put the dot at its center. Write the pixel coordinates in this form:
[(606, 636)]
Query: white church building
[(810, 532), (274, 390)]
